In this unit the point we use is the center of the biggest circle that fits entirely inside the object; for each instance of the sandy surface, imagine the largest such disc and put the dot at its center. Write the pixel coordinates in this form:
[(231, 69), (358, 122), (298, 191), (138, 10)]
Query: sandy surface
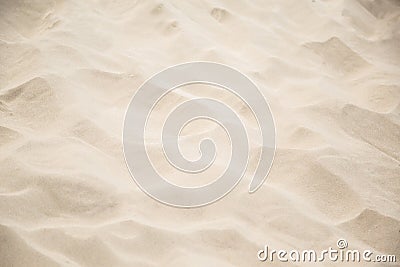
[(329, 70)]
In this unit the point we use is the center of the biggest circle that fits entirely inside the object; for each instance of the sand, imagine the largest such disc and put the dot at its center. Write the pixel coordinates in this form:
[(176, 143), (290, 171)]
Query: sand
[(68, 69)]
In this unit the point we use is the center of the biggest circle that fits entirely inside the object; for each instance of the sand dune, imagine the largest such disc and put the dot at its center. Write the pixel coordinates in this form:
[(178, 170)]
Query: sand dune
[(68, 69)]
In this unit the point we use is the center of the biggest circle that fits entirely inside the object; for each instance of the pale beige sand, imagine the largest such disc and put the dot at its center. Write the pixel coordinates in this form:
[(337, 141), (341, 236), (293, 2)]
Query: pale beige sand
[(329, 69)]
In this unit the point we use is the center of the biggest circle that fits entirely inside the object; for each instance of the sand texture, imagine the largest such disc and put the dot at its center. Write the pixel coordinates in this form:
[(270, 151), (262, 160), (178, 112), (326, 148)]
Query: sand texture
[(330, 71)]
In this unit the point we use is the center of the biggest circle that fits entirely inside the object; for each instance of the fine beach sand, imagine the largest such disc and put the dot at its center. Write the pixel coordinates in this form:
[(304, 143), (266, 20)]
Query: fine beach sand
[(68, 69)]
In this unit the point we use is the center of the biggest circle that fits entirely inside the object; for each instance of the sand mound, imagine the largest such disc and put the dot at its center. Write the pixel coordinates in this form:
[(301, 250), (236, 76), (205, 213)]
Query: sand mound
[(338, 56)]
